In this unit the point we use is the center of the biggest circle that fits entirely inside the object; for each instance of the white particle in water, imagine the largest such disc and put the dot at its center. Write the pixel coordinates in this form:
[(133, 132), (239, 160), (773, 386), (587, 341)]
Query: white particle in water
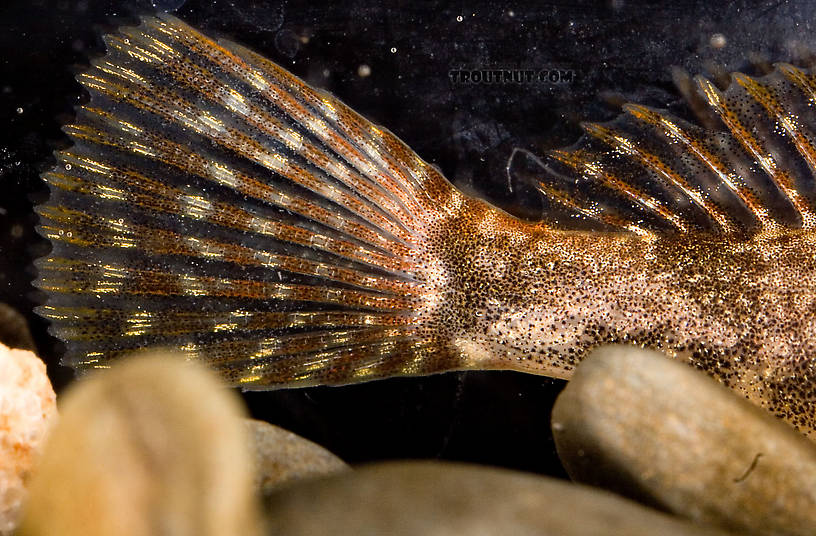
[(718, 40)]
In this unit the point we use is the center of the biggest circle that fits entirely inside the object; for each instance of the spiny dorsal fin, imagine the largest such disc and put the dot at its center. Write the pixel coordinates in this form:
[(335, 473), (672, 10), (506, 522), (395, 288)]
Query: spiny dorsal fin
[(651, 173)]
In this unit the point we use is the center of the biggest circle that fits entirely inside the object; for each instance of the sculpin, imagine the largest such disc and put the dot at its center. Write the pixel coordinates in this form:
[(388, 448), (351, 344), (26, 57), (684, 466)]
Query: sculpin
[(215, 204)]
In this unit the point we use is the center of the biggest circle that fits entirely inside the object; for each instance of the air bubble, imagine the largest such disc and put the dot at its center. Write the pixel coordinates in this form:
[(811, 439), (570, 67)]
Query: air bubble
[(460, 18), (167, 5), (67, 167), (393, 50)]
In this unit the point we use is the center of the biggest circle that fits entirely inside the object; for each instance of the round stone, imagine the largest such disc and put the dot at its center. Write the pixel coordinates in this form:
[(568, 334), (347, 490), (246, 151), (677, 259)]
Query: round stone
[(445, 499), (655, 429), (282, 457), (28, 408), (155, 445)]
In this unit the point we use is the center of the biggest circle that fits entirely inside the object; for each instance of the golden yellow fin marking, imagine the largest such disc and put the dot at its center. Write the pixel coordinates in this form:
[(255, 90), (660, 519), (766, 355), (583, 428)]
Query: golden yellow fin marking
[(781, 177), (765, 97), (578, 162), (791, 125), (594, 213), (83, 230), (154, 197), (258, 368), (141, 191), (266, 77), (353, 364), (76, 277), (418, 182), (180, 157), (254, 349), (198, 79), (806, 84), (237, 142), (361, 152), (696, 148), (86, 324)]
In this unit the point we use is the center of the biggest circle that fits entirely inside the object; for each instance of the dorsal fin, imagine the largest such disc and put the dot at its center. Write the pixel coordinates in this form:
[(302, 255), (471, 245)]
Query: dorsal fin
[(651, 173)]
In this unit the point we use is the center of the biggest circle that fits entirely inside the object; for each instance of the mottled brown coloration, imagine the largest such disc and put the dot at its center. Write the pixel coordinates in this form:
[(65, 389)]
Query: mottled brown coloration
[(216, 204), (518, 297)]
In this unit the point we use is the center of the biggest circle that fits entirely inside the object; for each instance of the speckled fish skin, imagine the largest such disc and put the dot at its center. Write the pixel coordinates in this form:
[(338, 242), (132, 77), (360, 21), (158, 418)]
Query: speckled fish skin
[(214, 203)]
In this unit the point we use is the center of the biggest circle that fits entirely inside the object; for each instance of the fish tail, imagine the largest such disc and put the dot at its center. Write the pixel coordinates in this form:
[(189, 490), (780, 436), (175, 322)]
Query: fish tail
[(215, 204)]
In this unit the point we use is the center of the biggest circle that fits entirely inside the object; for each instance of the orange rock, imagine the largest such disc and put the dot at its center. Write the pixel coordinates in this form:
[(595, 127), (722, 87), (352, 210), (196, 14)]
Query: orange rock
[(27, 408)]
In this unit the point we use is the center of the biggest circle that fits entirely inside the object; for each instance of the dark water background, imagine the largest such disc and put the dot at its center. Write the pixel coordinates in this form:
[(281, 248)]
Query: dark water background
[(604, 52)]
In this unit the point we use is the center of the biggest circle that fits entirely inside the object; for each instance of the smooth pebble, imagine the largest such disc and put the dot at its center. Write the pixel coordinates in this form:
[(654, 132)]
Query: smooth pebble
[(282, 457), (636, 422), (154, 446), (446, 499)]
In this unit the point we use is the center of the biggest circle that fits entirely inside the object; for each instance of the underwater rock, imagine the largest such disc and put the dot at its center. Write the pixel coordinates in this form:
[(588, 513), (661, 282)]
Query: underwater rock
[(154, 446), (445, 499), (28, 407), (633, 421), (282, 457), (14, 331)]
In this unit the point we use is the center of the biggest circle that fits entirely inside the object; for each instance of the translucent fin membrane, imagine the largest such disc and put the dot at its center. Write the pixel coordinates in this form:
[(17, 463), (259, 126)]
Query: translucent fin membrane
[(650, 172), (215, 204)]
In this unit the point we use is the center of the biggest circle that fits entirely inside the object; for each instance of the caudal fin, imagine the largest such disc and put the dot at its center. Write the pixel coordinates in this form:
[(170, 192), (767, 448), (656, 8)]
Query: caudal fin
[(214, 203)]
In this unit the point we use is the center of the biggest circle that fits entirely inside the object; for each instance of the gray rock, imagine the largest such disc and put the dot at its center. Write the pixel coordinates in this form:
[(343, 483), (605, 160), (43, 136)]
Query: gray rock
[(643, 425), (282, 457), (14, 331), (442, 499), (154, 446)]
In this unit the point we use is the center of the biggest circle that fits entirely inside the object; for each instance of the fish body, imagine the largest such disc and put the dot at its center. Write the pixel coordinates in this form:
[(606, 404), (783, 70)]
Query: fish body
[(538, 300), (215, 204)]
